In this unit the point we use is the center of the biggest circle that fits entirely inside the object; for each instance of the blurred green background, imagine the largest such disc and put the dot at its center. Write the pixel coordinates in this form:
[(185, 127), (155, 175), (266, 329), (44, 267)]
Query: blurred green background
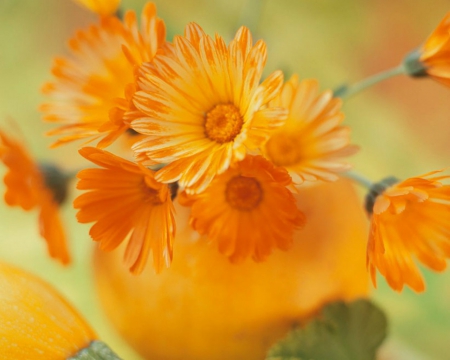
[(402, 125)]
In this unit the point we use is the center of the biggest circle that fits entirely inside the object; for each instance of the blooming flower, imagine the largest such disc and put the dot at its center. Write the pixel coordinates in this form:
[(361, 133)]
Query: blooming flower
[(126, 203), (93, 87), (203, 106), (247, 210), (312, 142), (433, 57), (30, 186), (410, 219), (101, 7)]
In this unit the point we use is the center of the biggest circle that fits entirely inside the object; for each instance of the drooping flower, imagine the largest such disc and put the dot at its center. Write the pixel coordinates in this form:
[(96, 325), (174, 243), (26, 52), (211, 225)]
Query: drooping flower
[(203, 106), (93, 87), (312, 143), (127, 204), (248, 210), (31, 186), (433, 57), (101, 7), (410, 219)]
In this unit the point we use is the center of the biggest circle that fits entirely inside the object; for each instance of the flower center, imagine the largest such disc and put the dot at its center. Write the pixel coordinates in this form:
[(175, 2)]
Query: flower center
[(243, 193), (150, 195), (223, 122), (283, 149)]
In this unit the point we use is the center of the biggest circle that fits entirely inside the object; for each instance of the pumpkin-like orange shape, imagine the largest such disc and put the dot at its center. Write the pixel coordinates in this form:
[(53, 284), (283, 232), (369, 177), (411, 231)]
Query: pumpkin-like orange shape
[(37, 323), (204, 307)]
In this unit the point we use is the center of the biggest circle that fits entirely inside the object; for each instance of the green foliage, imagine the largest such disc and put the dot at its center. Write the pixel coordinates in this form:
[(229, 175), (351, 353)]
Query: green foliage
[(343, 331)]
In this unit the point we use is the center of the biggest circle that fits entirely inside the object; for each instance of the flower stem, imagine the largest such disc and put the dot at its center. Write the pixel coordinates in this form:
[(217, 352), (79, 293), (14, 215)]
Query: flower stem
[(360, 179), (97, 350), (347, 91)]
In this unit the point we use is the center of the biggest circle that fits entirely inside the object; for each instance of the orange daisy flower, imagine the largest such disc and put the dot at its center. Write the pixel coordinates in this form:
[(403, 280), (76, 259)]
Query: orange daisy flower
[(101, 7), (30, 186), (92, 89), (247, 210), (433, 58), (203, 106), (126, 203), (312, 143), (410, 219)]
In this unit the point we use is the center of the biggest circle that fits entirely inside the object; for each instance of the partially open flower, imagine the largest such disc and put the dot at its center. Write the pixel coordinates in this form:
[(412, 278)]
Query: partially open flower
[(30, 186), (410, 219), (101, 7), (433, 57)]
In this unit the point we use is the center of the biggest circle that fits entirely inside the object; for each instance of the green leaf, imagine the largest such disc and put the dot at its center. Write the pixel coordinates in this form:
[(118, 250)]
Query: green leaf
[(343, 331)]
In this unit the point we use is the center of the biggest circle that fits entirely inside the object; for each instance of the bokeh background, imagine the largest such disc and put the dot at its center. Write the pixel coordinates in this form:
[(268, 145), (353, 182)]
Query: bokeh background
[(401, 125)]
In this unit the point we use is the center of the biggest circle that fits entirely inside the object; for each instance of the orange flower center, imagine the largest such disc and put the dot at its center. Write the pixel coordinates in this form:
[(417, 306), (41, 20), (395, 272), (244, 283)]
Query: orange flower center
[(151, 195), (243, 193), (283, 149), (223, 123)]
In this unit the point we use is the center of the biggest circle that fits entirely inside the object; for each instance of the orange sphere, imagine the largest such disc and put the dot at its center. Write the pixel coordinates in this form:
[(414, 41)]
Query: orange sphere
[(36, 321), (204, 307)]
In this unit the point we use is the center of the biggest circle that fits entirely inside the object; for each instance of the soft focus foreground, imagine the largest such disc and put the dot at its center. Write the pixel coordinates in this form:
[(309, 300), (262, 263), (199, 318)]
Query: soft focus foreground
[(204, 307), (37, 322)]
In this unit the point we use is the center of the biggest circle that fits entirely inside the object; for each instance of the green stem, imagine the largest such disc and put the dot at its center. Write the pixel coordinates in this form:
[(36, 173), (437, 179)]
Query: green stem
[(360, 179), (347, 91), (97, 350)]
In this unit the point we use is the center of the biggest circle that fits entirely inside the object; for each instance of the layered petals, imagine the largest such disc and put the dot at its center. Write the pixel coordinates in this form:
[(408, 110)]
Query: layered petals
[(93, 87), (247, 211), (126, 204), (410, 221), (26, 187), (203, 106), (312, 144)]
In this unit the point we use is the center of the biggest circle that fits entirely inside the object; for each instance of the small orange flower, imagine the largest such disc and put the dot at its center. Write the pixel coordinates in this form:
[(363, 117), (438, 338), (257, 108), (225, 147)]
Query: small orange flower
[(433, 58), (93, 88), (247, 210), (28, 187), (312, 142), (203, 106), (126, 203), (101, 7), (37, 322), (410, 219)]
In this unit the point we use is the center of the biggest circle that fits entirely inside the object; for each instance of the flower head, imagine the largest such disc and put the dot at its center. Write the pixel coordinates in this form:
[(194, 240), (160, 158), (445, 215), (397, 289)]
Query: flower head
[(31, 186), (433, 57), (312, 142), (410, 219), (203, 106), (247, 211), (93, 87), (101, 7), (126, 203)]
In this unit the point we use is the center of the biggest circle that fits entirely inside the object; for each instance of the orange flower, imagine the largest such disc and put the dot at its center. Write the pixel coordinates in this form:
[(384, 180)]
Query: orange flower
[(30, 186), (312, 142), (410, 219), (126, 203), (37, 322), (433, 58), (101, 7), (247, 210), (92, 88), (203, 106)]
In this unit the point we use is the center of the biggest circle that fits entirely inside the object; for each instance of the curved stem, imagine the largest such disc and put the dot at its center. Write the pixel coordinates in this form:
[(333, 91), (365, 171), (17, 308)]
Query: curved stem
[(347, 91), (360, 179)]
